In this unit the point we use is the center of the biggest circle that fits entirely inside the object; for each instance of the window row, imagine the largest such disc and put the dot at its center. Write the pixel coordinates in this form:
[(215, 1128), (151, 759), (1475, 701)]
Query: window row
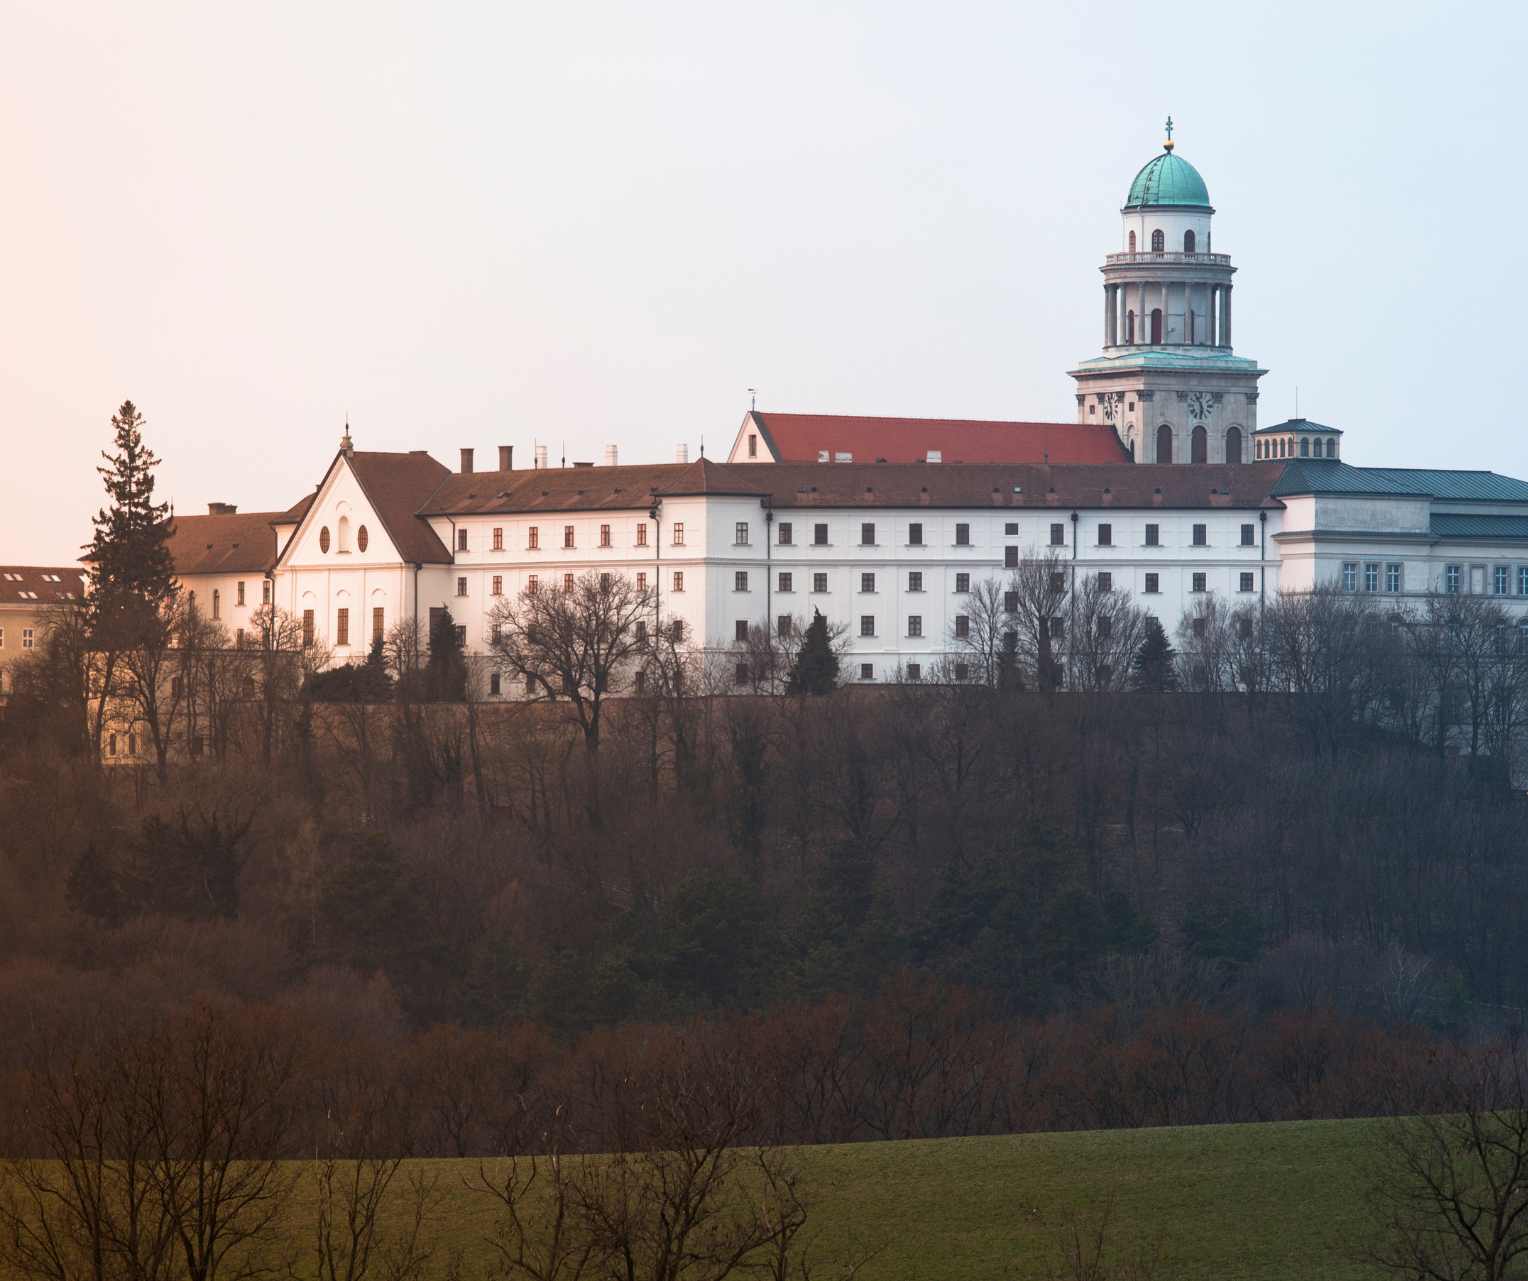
[(1365, 576), (362, 538), (1283, 447), (28, 638)]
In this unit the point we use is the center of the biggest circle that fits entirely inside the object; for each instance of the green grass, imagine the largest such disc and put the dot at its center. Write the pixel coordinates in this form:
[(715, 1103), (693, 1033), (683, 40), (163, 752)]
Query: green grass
[(1229, 1202)]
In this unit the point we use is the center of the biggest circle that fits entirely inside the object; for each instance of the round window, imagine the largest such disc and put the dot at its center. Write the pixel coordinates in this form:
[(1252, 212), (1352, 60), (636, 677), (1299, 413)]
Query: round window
[(323, 539), (361, 538)]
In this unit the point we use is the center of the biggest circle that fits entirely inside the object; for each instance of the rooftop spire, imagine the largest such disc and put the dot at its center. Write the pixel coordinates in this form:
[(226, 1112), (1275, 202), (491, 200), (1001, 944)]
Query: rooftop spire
[(1168, 144), (346, 447)]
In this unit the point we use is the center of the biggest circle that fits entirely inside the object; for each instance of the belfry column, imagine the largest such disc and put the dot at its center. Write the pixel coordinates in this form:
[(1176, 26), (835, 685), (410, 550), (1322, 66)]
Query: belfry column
[(1108, 315), (1228, 314)]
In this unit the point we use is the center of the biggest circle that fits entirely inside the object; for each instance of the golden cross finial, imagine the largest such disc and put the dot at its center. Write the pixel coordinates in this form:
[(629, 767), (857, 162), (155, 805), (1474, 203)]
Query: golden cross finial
[(1168, 145)]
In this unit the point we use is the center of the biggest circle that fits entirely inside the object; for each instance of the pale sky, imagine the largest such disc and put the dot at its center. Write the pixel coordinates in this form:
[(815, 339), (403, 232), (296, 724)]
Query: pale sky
[(475, 224)]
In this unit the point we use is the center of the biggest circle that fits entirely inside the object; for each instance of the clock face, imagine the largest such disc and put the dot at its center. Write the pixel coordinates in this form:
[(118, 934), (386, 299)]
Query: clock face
[(1111, 405), (1200, 404)]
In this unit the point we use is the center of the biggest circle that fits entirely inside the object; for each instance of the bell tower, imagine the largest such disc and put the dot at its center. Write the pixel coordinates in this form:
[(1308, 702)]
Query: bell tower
[(1168, 380)]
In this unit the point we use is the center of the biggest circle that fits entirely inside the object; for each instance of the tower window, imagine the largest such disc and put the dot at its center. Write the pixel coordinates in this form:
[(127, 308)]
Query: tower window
[(1233, 445), (1132, 242), (1331, 447), (1129, 326), (1199, 445), (1304, 447), (1164, 444), (1188, 241), (1156, 323), (1158, 241)]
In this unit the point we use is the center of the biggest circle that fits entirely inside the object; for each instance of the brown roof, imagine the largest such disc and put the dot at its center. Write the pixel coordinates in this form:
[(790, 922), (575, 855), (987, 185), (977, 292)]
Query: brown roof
[(397, 486), (236, 543), (800, 438), (40, 585), (864, 485)]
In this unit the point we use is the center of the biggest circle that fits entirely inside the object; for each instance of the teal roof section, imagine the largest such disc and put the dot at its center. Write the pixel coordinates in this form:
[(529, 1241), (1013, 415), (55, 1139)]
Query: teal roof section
[(1328, 476), (1168, 179), (1299, 424), (1462, 525)]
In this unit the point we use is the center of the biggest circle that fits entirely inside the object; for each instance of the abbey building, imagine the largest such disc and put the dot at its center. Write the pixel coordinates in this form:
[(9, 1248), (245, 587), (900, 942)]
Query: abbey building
[(1165, 485)]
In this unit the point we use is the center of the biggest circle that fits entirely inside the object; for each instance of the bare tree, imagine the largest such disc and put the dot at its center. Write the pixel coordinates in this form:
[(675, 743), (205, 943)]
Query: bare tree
[(979, 631), (152, 690), (1107, 629), (275, 667), (1039, 593)]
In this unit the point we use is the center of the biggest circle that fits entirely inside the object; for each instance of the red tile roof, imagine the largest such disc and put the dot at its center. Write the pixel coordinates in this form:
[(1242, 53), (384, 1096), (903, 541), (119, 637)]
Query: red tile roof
[(585, 488), (397, 486), (799, 438), (40, 585), (236, 543)]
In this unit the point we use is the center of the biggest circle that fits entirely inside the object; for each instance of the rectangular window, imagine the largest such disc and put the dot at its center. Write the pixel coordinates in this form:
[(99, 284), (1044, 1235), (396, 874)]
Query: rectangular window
[(962, 535), (27, 640), (783, 625), (1452, 574), (1371, 575), (641, 631), (1246, 583), (867, 534), (783, 536), (740, 534), (915, 534), (741, 674), (307, 629), (605, 581), (238, 638), (1010, 558), (1010, 528), (1106, 535), (819, 582), (567, 582), (962, 584), (238, 598), (679, 580), (376, 624), (962, 671), (915, 625), (819, 535), (1105, 582), (962, 626), (1058, 581), (1153, 535), (753, 445), (641, 533), (1201, 535), (1057, 534), (867, 671), (678, 533), (461, 540), (217, 604), (867, 582), (1199, 582), (1501, 580), (642, 580), (915, 671), (1056, 630), (867, 624), (1393, 577), (533, 538), (1248, 539), (498, 546), (567, 536), (740, 629), (1350, 575), (785, 582), (498, 584), (461, 586), (532, 583), (495, 684), (604, 535), (1152, 587), (342, 627), (740, 580), (676, 629), (1010, 602), (1522, 580), (265, 591), (915, 581)]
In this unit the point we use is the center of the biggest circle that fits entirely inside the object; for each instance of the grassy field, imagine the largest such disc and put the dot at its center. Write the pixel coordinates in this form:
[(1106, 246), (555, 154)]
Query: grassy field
[(1230, 1202)]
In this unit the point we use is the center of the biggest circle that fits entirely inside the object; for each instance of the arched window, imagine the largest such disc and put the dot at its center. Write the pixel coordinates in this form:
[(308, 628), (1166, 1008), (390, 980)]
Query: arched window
[(1199, 445), (1188, 241), (344, 533), (1233, 445), (1132, 242), (1331, 447), (1130, 326), (1304, 446), (1156, 325), (1158, 241), (1164, 444)]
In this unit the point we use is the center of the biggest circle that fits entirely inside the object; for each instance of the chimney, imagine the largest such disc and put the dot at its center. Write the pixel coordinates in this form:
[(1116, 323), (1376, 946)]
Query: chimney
[(540, 457), (466, 462), (611, 456), (221, 509), (681, 453), (506, 458)]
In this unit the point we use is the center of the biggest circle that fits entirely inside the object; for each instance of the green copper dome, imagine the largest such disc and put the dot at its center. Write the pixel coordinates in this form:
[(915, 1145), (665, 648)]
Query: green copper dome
[(1168, 180)]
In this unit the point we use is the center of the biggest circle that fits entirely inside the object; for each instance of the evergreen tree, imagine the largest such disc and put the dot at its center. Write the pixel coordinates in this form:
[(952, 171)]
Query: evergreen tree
[(816, 667), (446, 672), (1155, 660), (132, 576)]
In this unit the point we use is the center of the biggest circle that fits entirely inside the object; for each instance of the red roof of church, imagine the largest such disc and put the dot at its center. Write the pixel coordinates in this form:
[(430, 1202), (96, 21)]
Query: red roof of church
[(800, 438)]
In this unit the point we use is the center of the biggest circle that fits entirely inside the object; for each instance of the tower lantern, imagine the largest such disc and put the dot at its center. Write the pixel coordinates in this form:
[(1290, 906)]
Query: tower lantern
[(1168, 380)]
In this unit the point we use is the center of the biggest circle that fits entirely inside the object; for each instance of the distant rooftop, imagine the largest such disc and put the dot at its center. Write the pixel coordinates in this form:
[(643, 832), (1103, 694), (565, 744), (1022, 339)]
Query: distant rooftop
[(1328, 476)]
